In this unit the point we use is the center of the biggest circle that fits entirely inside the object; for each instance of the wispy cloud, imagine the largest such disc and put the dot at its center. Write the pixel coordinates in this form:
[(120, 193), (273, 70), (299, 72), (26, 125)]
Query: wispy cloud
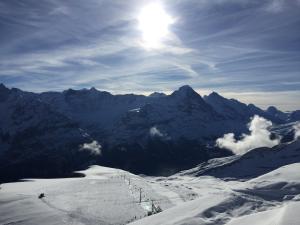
[(237, 45)]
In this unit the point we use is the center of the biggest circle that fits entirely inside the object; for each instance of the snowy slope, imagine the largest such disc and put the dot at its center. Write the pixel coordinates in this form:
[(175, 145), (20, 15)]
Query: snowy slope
[(286, 131), (235, 110), (285, 214), (252, 164), (183, 114), (123, 118), (238, 202), (294, 116), (273, 111), (230, 108), (103, 197), (93, 109), (282, 184), (111, 196)]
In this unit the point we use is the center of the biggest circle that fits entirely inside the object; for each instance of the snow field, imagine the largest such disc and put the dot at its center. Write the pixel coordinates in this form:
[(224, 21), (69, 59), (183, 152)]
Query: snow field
[(109, 196), (104, 196)]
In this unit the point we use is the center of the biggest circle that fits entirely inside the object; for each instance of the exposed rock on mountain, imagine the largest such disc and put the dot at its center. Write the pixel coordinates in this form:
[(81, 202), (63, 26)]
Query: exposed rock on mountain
[(144, 134)]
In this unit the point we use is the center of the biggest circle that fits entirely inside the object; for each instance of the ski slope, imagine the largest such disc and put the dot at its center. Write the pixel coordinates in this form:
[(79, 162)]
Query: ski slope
[(273, 198), (104, 196), (112, 196)]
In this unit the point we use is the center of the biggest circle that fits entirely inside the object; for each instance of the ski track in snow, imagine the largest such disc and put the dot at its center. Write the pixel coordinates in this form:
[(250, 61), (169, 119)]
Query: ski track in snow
[(111, 197), (171, 195)]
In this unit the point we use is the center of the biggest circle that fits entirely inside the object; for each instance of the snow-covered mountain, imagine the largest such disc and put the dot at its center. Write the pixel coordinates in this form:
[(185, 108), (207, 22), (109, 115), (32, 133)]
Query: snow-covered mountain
[(183, 114), (235, 110), (125, 117), (35, 139), (273, 111), (43, 135), (294, 116), (252, 164), (147, 134)]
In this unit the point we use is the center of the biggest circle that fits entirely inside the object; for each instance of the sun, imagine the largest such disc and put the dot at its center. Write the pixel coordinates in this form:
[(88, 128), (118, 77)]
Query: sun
[(154, 22)]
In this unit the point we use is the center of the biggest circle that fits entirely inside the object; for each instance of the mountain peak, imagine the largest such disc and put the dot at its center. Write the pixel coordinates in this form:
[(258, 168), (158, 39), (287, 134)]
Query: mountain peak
[(93, 89), (186, 88), (157, 95), (185, 91), (251, 105), (3, 87), (215, 95), (272, 109), (4, 92)]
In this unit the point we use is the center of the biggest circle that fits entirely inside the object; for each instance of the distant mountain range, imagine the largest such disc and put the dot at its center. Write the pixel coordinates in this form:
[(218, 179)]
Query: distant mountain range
[(42, 134)]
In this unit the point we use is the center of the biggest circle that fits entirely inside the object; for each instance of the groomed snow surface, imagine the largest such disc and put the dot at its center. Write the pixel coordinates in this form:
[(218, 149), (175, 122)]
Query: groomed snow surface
[(112, 196)]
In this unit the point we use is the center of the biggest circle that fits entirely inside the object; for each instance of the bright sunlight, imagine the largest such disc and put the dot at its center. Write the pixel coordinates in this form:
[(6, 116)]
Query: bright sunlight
[(154, 24)]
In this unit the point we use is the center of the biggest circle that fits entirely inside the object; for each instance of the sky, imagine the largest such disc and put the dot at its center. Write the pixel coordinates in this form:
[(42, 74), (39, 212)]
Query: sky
[(243, 49)]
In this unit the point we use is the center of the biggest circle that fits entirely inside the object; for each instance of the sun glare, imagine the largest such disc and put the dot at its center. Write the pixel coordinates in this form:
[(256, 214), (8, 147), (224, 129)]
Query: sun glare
[(154, 24)]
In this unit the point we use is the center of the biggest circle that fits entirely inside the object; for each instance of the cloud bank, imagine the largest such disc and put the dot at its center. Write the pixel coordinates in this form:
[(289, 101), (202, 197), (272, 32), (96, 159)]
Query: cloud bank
[(259, 137), (94, 147)]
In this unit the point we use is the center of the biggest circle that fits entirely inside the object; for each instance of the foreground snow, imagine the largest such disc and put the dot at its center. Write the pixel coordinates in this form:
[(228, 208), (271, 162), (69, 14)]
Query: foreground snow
[(271, 199), (111, 196), (104, 196), (286, 214)]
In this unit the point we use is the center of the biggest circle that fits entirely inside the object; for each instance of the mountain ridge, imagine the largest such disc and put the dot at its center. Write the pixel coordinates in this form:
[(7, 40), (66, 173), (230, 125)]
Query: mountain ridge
[(167, 132)]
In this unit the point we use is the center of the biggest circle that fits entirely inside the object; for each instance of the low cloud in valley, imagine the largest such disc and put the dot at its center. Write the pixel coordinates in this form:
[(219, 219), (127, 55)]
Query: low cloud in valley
[(297, 130), (259, 137), (155, 132), (94, 147)]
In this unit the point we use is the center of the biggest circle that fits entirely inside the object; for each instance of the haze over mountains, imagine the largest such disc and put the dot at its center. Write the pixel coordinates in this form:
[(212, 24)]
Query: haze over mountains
[(52, 134)]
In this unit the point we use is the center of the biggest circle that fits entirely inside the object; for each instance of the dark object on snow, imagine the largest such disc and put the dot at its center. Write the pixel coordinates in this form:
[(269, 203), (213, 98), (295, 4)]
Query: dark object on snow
[(42, 195)]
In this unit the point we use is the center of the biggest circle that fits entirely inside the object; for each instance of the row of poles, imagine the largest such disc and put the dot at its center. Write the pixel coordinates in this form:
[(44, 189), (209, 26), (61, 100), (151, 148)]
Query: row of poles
[(154, 209)]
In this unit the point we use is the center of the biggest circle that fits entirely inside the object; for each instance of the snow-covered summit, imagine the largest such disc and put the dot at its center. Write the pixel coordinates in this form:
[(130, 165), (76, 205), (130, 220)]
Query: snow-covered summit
[(233, 109), (137, 127), (185, 91)]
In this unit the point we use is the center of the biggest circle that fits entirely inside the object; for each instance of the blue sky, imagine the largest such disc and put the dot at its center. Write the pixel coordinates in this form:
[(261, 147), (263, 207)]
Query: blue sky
[(245, 49)]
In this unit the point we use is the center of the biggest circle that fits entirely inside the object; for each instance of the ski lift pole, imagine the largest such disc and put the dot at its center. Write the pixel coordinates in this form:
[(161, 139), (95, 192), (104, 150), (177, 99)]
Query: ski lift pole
[(152, 206), (140, 195)]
